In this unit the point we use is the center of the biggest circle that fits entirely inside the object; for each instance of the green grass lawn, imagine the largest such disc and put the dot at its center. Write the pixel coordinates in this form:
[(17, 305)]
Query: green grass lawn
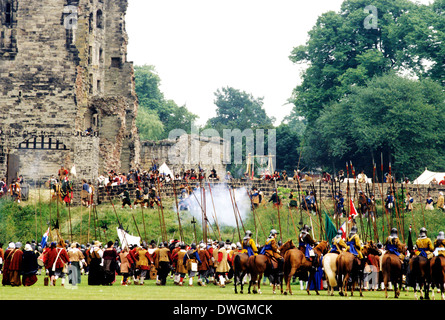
[(150, 291)]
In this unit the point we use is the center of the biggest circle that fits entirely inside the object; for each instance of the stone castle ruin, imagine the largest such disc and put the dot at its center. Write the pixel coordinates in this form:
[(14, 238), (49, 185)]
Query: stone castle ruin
[(67, 93), (64, 71)]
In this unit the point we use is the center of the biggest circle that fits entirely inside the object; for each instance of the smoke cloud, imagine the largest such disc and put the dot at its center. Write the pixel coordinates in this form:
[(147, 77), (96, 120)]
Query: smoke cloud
[(221, 207)]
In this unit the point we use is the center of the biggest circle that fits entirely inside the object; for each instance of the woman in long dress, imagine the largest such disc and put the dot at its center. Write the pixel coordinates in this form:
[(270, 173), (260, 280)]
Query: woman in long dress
[(29, 266)]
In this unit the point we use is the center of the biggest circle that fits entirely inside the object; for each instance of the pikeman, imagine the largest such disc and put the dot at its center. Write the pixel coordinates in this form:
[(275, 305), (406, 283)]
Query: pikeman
[(15, 191)]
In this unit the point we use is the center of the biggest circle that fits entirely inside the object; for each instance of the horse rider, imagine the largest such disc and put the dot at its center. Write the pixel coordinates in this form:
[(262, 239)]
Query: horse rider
[(306, 242), (353, 242), (439, 244), (394, 245), (249, 245), (271, 249), (424, 245), (338, 244)]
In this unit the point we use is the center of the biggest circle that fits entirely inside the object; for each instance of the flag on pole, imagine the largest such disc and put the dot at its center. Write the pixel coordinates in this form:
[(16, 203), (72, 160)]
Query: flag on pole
[(44, 239), (343, 230), (353, 211), (331, 231)]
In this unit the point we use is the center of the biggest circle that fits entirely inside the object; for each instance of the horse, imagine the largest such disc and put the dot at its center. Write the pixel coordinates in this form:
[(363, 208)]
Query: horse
[(330, 271), (438, 274), (420, 273), (259, 264), (296, 262), (240, 269), (392, 271), (349, 266)]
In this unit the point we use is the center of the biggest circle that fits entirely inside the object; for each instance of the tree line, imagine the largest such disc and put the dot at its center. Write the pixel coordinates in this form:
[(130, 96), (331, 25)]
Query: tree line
[(366, 94)]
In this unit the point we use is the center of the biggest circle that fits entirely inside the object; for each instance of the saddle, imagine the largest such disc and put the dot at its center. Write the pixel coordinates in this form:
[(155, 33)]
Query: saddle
[(273, 261)]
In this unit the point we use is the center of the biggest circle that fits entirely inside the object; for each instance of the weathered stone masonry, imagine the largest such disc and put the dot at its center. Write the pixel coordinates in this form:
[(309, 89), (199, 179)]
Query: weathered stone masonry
[(63, 69)]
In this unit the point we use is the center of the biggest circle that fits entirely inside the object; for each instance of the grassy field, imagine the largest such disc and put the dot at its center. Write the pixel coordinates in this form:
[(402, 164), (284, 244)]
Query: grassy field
[(150, 291)]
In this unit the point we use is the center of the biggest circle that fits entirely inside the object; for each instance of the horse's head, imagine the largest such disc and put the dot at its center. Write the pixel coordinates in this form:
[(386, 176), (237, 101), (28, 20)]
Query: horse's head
[(371, 248), (289, 244), (323, 247)]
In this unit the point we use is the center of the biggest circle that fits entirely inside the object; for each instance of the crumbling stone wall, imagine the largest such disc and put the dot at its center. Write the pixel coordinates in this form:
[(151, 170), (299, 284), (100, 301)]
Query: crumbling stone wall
[(63, 70), (184, 153)]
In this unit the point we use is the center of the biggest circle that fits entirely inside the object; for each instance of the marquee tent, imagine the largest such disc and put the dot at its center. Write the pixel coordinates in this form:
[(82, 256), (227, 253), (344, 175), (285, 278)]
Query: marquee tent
[(427, 176)]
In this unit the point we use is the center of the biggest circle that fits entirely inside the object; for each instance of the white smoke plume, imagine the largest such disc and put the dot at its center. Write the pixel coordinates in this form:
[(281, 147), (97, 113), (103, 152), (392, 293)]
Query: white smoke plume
[(223, 204)]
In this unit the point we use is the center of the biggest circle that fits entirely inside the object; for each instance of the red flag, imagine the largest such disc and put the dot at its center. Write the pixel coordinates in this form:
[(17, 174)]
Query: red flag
[(352, 210), (343, 230)]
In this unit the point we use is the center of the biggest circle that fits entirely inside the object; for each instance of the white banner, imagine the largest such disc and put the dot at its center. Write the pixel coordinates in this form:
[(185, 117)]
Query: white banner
[(127, 239)]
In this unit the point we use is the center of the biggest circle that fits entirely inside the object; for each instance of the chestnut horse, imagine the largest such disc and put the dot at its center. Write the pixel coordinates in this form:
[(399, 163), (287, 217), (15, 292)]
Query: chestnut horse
[(260, 264), (240, 269), (420, 273), (349, 266), (438, 274), (392, 271), (296, 262)]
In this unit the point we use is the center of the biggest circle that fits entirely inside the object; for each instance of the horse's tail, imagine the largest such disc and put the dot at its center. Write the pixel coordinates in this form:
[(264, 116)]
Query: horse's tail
[(330, 274), (437, 271)]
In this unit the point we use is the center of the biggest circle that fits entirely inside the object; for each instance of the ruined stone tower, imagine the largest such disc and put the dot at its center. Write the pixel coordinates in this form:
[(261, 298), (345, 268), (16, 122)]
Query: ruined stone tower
[(64, 69)]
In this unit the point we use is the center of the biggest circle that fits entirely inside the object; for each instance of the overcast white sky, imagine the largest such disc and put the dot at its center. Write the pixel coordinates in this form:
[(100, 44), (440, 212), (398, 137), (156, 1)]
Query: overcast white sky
[(199, 46)]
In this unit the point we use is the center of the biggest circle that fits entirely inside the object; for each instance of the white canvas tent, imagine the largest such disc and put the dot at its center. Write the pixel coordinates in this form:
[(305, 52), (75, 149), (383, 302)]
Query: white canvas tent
[(164, 169), (427, 176)]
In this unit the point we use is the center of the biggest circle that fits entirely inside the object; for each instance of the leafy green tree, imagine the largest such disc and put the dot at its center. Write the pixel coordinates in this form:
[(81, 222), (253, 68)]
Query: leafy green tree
[(396, 116), (236, 109), (157, 116), (343, 51)]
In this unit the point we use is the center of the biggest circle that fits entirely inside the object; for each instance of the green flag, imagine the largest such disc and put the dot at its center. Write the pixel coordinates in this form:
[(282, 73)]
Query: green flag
[(331, 231)]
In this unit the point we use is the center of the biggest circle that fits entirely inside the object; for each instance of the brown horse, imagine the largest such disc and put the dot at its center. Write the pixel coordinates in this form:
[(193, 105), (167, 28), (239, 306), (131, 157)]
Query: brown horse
[(240, 269), (420, 273), (392, 271), (438, 274), (262, 263), (349, 266), (296, 262)]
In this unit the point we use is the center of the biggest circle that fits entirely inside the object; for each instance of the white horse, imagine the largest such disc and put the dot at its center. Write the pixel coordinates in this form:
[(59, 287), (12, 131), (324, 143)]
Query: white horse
[(330, 270)]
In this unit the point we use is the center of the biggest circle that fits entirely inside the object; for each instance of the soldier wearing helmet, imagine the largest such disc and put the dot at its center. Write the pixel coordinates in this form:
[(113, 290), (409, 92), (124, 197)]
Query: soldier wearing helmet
[(306, 242), (249, 245), (439, 244), (353, 242), (338, 244), (271, 249), (394, 245), (424, 244)]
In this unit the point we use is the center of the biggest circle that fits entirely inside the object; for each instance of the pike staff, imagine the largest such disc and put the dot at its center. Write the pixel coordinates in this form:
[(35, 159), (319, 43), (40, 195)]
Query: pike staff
[(234, 212), (164, 231), (214, 212), (181, 234)]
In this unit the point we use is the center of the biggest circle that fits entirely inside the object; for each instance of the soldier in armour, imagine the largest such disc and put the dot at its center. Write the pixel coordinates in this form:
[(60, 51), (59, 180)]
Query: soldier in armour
[(394, 245), (353, 242), (249, 245), (439, 244), (424, 245), (338, 244), (271, 249)]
